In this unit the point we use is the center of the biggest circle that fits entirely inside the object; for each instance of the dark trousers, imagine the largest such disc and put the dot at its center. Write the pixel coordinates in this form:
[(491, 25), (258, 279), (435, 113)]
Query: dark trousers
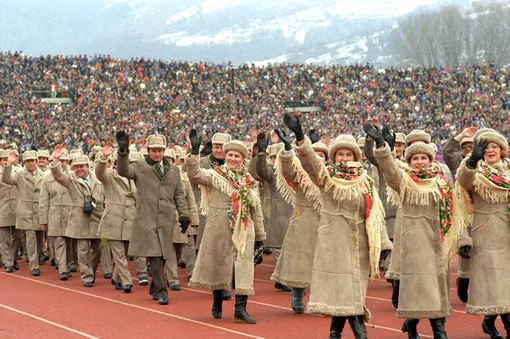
[(158, 282)]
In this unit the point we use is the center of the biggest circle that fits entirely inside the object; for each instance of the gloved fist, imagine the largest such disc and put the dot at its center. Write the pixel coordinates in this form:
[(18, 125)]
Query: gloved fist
[(384, 254), (184, 221), (195, 141), (464, 252), (388, 137), (284, 138), (375, 133), (262, 142), (314, 136), (478, 152), (292, 122), (122, 141)]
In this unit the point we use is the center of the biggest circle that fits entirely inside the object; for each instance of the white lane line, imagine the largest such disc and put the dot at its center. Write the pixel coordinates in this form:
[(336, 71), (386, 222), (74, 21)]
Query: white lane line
[(48, 322), (136, 306)]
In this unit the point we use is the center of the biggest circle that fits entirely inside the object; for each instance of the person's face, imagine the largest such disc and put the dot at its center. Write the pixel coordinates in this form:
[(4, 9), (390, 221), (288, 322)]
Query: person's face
[(322, 155), (42, 162), (156, 154), (30, 165), (343, 155), (492, 153), (399, 149), (466, 148), (3, 161), (234, 160), (217, 150), (419, 161), (81, 171), (63, 164)]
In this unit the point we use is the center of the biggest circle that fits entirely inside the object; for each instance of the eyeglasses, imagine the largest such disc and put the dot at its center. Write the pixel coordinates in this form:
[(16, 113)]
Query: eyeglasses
[(467, 146)]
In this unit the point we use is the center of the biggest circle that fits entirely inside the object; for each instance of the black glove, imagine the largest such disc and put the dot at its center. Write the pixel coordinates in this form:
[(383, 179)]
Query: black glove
[(122, 141), (314, 136), (292, 122), (388, 137), (384, 254), (262, 142), (284, 138), (207, 149), (184, 221), (374, 133), (477, 154), (464, 252), (196, 141)]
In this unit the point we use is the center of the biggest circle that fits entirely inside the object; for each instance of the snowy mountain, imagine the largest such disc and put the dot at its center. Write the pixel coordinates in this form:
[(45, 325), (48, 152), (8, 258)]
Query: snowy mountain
[(319, 32)]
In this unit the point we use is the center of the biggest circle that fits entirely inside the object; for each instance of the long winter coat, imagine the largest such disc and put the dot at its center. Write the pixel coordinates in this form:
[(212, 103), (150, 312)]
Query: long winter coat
[(294, 267), (216, 263), (490, 252), (54, 206), (281, 210), (120, 201), (28, 186), (8, 202), (424, 277), (341, 265), (80, 225), (157, 199), (264, 192), (180, 238)]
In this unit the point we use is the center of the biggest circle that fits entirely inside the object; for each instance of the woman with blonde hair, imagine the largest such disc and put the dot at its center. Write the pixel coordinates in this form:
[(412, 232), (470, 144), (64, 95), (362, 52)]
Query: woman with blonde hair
[(483, 184)]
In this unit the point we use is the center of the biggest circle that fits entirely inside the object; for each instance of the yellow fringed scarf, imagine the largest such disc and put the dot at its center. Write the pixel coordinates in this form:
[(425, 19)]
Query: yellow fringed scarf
[(354, 183)]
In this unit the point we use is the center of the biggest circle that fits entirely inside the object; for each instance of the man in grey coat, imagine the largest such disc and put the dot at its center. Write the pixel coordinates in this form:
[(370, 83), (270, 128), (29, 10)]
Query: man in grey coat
[(159, 193)]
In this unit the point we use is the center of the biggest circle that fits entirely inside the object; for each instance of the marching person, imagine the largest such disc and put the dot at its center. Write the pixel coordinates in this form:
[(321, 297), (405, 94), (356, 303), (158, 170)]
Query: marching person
[(10, 237), (159, 193), (426, 199), (234, 223), (118, 216), (483, 184), (294, 267), (351, 236), (54, 211), (87, 199), (28, 182), (453, 158)]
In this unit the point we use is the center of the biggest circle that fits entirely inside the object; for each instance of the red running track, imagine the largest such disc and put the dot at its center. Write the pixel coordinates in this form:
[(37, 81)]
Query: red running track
[(45, 307)]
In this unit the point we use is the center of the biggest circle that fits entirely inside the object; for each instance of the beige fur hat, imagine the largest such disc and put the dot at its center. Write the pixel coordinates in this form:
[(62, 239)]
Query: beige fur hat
[(236, 145), (275, 148), (417, 135), (320, 147), (178, 151), (466, 140), (43, 154), (81, 160), (169, 153), (361, 142), (156, 141), (434, 147), (29, 155), (135, 156), (221, 138), (492, 136), (4, 153), (400, 137), (419, 148), (345, 141), (65, 155)]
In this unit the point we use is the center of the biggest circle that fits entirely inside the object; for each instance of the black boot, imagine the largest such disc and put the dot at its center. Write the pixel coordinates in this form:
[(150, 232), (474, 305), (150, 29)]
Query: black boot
[(217, 304), (226, 295), (462, 289), (358, 326), (337, 327), (489, 327), (410, 327), (298, 304), (240, 314), (438, 328), (505, 318), (394, 295)]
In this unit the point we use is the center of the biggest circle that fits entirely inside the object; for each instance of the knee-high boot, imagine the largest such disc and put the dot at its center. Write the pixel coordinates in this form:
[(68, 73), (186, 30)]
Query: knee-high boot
[(337, 327), (298, 304), (410, 326), (505, 318), (395, 293), (438, 328), (462, 289), (217, 309), (358, 326), (240, 314)]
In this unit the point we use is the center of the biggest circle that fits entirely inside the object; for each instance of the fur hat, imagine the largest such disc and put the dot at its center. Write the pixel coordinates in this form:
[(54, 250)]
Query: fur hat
[(236, 145), (419, 148), (43, 154), (345, 141), (221, 138), (492, 136), (275, 148), (81, 160), (75, 152), (417, 135), (65, 155), (320, 147), (156, 141), (4, 153), (178, 152), (434, 147), (169, 153), (132, 148), (135, 156), (466, 140), (29, 155), (144, 151), (400, 137), (361, 142)]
